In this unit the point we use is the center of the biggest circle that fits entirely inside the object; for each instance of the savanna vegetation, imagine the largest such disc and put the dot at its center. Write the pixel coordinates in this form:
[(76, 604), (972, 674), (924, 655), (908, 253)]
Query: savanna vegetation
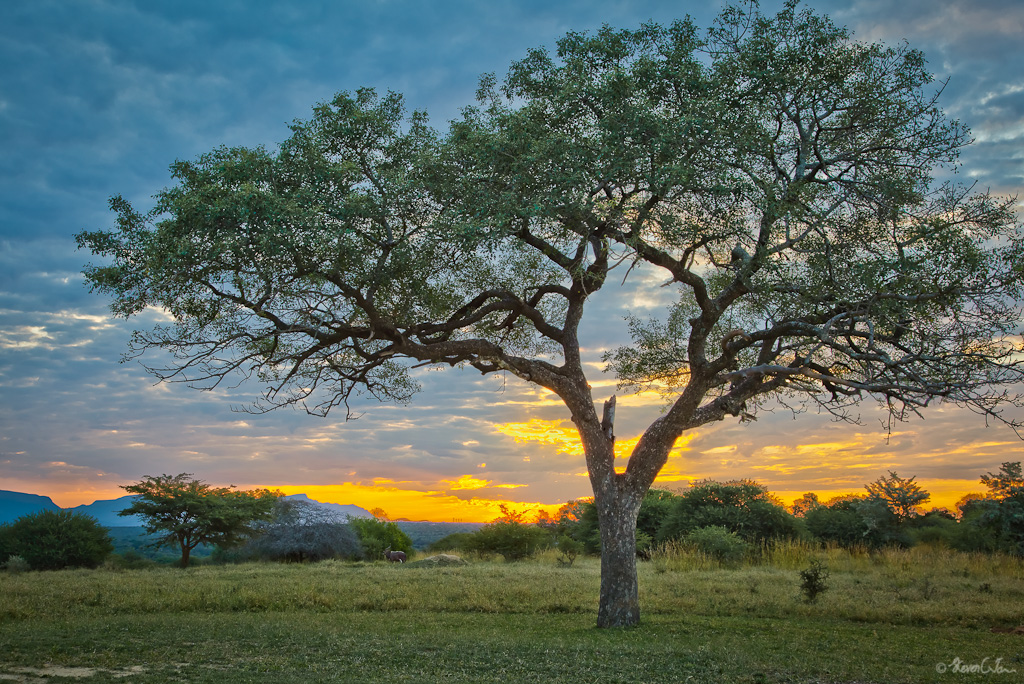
[(892, 616), (737, 588)]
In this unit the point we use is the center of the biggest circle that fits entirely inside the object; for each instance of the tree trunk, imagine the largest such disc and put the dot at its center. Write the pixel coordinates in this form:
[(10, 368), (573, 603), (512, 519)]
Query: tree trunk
[(185, 553), (620, 598)]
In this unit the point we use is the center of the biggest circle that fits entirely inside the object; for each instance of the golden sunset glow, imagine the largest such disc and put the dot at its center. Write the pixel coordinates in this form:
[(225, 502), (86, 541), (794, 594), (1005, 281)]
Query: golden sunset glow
[(406, 500), (562, 435)]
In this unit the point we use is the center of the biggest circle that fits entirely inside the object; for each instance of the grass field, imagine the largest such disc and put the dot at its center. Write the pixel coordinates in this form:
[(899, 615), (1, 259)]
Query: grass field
[(892, 617)]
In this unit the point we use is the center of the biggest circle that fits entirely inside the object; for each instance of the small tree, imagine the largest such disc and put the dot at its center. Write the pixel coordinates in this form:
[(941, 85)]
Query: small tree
[(52, 540), (807, 502), (186, 512), (900, 495), (1007, 482), (1003, 511)]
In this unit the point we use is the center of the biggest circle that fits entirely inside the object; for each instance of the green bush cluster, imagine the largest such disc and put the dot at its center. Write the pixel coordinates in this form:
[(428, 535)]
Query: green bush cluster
[(510, 537), (742, 508), (52, 540), (377, 535), (716, 541)]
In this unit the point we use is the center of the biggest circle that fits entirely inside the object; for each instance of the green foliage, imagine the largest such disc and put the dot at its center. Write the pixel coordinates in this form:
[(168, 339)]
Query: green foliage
[(568, 549), (377, 535), (719, 543), (1006, 483), (901, 496), (129, 560), (744, 507), (52, 540), (853, 522), (513, 540), (654, 509), (184, 512), (814, 580), (457, 541), (1002, 513), (805, 503)]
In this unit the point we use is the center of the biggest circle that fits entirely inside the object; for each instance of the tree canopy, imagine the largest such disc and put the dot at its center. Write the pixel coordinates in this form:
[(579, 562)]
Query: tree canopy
[(778, 175), (900, 495), (186, 512)]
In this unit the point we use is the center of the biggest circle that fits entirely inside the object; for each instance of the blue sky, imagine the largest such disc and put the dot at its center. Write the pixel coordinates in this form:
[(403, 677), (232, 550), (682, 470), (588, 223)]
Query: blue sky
[(98, 97)]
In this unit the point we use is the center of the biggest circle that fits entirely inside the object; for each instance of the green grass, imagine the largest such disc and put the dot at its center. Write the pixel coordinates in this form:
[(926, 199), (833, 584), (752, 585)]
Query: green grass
[(890, 617)]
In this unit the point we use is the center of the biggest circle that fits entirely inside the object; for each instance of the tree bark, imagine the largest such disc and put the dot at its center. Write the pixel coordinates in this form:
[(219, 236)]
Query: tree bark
[(619, 604)]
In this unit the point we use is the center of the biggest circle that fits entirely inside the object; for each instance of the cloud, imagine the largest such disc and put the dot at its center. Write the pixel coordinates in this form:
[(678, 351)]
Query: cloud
[(98, 99)]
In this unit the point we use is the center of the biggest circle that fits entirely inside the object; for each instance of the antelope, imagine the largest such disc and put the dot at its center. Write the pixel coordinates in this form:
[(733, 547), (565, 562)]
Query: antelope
[(394, 556)]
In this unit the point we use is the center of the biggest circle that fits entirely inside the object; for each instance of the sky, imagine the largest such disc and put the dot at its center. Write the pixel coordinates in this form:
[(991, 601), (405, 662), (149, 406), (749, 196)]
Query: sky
[(99, 97)]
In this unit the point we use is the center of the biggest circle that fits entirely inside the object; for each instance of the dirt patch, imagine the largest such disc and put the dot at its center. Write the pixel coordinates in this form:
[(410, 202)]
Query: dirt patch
[(32, 675)]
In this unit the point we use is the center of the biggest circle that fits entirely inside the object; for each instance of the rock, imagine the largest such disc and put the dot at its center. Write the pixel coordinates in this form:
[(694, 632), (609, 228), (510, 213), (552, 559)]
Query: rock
[(440, 560)]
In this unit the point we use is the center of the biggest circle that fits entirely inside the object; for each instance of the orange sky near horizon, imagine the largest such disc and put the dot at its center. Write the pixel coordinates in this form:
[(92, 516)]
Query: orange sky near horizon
[(474, 498)]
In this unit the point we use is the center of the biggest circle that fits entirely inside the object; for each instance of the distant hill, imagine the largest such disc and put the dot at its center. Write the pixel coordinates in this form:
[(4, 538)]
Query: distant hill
[(342, 510), (13, 505), (106, 512), (129, 534)]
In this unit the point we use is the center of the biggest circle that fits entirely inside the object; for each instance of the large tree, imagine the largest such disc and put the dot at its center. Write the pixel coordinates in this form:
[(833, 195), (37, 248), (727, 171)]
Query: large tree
[(777, 174)]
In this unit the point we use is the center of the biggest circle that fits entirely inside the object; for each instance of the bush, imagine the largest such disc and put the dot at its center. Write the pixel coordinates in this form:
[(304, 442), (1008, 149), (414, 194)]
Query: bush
[(512, 540), (16, 564), (457, 541), (813, 580), (376, 535), (743, 507), (52, 540), (719, 543), (568, 549), (857, 522)]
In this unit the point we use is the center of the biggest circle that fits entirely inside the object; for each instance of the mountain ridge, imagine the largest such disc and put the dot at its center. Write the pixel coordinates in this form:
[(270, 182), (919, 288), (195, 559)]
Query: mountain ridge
[(14, 505)]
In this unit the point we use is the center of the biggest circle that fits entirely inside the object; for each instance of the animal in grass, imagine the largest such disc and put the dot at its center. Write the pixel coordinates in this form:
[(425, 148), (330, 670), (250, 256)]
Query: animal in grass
[(394, 556)]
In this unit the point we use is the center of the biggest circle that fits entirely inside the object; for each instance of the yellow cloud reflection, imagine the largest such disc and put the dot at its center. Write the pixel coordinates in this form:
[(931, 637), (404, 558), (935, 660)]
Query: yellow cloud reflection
[(563, 436), (470, 482)]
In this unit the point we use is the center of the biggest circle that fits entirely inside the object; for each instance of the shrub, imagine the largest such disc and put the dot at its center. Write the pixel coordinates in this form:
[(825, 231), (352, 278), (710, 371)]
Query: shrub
[(512, 540), (857, 522), (16, 564), (568, 549), (129, 560), (654, 509), (457, 541), (376, 535), (744, 507), (719, 543), (813, 580), (51, 540)]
